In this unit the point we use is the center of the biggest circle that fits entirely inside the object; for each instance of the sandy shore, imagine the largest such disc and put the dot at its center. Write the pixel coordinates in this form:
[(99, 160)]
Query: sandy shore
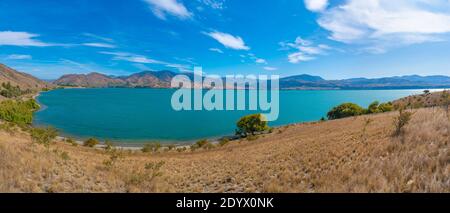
[(138, 146)]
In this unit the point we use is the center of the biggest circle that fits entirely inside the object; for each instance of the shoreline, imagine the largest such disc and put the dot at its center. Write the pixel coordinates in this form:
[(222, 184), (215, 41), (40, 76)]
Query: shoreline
[(138, 145), (135, 146)]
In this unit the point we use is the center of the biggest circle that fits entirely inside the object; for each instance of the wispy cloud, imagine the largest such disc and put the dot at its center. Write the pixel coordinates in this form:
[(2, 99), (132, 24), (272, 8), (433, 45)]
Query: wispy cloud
[(91, 35), (305, 50), (254, 58), (10, 38), (53, 69), (379, 25), (297, 57), (214, 4), (101, 45), (216, 50), (162, 8), (316, 5), (228, 40), (140, 59), (124, 56), (261, 61), (18, 57), (270, 68), (180, 67)]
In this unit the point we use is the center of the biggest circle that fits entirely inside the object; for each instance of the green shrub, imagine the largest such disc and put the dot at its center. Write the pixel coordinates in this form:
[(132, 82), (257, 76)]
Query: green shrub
[(194, 147), (114, 156), (43, 135), (445, 96), (91, 142), (351, 109), (202, 143), (345, 110), (181, 149), (9, 91), (251, 124), (71, 141), (385, 107), (171, 147), (224, 141), (109, 145), (401, 120), (18, 112), (65, 156), (151, 147), (252, 137), (373, 107)]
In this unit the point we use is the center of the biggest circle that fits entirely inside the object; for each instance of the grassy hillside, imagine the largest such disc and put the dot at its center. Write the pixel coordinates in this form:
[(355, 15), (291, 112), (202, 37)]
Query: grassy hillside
[(357, 154), (23, 80)]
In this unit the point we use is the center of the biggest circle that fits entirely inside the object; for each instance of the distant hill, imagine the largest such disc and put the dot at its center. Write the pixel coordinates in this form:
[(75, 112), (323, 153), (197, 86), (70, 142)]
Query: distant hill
[(23, 80), (149, 79), (161, 79)]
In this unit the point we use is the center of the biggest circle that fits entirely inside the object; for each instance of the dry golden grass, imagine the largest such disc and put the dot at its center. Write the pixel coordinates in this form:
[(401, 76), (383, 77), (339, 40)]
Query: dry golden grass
[(350, 155), (423, 100)]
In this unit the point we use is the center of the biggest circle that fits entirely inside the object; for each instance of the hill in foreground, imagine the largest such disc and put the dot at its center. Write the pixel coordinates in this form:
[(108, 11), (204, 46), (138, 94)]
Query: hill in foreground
[(357, 154), (23, 80)]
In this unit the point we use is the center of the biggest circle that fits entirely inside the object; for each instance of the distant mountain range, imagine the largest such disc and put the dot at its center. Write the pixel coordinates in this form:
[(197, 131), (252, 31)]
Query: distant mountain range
[(397, 82), (162, 79)]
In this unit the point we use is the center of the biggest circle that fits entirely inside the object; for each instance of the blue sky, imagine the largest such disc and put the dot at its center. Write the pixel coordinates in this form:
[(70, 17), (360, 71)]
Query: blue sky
[(333, 39)]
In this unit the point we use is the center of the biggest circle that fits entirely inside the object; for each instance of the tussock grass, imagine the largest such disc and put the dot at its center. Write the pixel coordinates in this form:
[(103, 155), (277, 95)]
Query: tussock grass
[(349, 155)]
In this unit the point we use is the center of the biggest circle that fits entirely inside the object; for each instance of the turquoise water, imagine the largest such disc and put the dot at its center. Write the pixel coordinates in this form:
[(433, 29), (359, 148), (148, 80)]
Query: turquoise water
[(140, 115)]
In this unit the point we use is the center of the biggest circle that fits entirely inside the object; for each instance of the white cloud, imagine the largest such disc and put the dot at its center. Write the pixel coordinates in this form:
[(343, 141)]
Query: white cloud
[(10, 38), (180, 67), (214, 4), (110, 40), (53, 69), (299, 57), (18, 57), (305, 50), (261, 61), (123, 56), (102, 45), (229, 41), (135, 58), (270, 68), (316, 5), (253, 57), (161, 8), (383, 24), (216, 50)]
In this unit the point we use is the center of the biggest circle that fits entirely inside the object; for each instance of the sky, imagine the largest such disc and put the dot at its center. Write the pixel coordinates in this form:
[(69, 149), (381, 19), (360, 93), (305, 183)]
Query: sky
[(334, 39)]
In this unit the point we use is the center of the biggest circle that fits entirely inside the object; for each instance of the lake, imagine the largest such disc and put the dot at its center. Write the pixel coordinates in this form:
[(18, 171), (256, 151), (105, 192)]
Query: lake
[(144, 115)]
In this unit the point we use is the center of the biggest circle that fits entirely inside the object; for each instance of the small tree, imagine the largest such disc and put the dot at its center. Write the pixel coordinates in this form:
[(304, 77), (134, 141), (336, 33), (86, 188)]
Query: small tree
[(345, 110), (385, 107), (109, 145), (373, 107), (71, 141), (91, 142), (202, 143), (151, 147), (251, 124), (445, 100), (401, 120)]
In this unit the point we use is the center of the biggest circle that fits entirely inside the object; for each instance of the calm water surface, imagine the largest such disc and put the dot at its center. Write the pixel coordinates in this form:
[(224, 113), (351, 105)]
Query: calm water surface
[(140, 115)]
